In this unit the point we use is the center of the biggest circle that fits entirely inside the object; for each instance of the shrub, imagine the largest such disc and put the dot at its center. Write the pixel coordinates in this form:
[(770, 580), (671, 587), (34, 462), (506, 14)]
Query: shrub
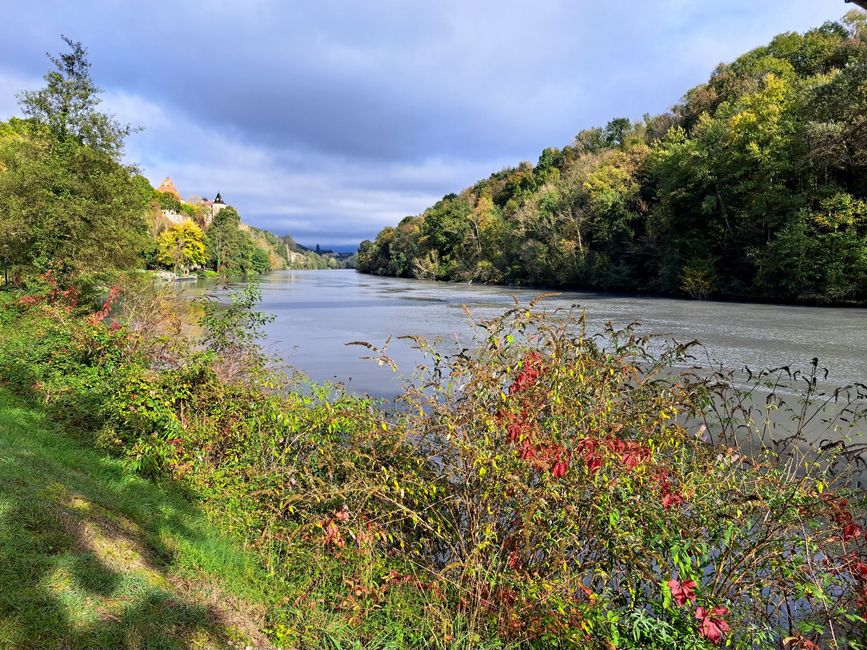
[(551, 488)]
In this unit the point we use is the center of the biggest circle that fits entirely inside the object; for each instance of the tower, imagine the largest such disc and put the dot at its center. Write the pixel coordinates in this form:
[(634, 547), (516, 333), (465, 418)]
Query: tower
[(168, 186)]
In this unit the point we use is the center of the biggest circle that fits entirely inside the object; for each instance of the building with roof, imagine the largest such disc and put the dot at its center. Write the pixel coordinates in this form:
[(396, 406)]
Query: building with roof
[(209, 209), (168, 186)]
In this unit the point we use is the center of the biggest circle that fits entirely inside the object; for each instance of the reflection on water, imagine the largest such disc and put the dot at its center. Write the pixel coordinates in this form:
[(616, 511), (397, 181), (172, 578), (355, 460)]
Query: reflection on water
[(317, 312)]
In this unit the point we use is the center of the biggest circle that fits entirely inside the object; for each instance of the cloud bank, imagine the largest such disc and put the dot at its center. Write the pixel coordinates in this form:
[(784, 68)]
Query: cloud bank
[(330, 120)]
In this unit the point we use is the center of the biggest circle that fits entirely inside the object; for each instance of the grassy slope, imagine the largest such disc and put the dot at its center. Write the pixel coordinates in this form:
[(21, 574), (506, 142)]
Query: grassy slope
[(92, 556)]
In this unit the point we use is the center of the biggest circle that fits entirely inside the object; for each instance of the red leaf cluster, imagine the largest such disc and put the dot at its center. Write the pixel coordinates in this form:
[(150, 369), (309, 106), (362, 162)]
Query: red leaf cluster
[(858, 570), (668, 497), (589, 451), (331, 532), (99, 316), (529, 375), (712, 625), (682, 592), (520, 431), (843, 517)]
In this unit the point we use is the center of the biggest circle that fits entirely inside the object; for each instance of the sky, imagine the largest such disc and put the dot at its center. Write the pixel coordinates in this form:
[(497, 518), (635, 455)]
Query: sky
[(330, 119)]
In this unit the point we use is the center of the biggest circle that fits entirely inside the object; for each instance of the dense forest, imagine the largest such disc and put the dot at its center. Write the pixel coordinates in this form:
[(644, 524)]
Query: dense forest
[(71, 206), (753, 186)]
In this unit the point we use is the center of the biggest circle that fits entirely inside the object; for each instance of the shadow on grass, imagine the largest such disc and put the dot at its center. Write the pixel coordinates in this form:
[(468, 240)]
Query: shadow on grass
[(88, 550)]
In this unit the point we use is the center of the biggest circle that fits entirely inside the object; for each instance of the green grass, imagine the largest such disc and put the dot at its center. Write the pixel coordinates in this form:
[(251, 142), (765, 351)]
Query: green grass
[(92, 556)]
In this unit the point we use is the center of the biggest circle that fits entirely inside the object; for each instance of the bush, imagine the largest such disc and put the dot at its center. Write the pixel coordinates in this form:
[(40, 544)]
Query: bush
[(549, 489)]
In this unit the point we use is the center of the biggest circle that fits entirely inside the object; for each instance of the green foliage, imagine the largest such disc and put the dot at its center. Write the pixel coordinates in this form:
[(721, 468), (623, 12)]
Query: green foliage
[(66, 202), (235, 325), (231, 248), (67, 104), (711, 200), (546, 489), (167, 201), (67, 207)]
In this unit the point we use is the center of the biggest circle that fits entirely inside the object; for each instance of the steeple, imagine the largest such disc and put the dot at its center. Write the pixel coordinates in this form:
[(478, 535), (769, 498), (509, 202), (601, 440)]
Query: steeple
[(218, 199)]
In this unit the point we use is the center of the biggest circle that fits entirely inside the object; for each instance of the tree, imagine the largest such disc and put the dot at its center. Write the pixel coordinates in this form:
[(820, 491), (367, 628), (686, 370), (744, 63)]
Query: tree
[(66, 202), (616, 130), (182, 246), (67, 104), (67, 207)]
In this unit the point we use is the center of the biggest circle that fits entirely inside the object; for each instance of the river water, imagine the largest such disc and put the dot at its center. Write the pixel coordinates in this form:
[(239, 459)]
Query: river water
[(318, 312)]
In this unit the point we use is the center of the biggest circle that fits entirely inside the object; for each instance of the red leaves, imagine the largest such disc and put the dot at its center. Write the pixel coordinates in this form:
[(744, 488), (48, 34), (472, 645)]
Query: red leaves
[(514, 431), (712, 625), (851, 530), (332, 535), (559, 468), (522, 430), (589, 453), (843, 517), (529, 375), (800, 643), (668, 497), (99, 316), (858, 570), (331, 532), (554, 458), (528, 451), (682, 591), (68, 296), (632, 453)]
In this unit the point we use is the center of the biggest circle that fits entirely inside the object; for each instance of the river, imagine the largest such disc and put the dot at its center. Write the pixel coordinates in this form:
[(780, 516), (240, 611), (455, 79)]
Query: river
[(317, 312)]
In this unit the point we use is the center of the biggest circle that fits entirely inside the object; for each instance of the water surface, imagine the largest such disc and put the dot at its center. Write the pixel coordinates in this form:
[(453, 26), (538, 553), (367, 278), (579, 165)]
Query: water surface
[(318, 312)]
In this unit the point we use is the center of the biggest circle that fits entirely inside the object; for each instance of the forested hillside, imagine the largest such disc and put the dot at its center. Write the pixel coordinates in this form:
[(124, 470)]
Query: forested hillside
[(752, 186)]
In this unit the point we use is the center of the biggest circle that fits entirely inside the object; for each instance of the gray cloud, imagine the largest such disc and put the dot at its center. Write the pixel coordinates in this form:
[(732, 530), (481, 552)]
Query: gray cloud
[(331, 119)]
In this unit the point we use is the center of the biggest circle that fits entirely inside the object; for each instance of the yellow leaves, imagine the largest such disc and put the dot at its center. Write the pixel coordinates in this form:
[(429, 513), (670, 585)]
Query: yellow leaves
[(182, 245)]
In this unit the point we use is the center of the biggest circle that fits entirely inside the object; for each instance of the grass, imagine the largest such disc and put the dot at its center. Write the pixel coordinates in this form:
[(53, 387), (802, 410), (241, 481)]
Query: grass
[(92, 556)]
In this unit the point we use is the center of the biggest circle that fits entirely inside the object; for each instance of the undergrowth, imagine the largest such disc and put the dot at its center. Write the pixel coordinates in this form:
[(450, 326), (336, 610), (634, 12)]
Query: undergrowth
[(550, 488)]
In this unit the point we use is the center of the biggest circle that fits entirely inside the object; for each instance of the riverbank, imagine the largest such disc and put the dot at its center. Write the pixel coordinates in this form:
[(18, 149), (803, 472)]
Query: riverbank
[(94, 556), (547, 488)]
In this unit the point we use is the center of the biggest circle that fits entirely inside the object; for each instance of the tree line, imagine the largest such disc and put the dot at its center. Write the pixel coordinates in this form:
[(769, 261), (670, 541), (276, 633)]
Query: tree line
[(753, 186), (71, 206)]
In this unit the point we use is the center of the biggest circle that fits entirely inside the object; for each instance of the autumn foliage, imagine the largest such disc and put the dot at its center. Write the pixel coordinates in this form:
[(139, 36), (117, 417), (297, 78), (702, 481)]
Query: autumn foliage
[(554, 487)]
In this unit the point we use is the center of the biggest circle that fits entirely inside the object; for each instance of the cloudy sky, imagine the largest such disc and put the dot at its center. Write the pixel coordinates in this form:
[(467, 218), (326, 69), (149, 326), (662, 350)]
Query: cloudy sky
[(329, 119)]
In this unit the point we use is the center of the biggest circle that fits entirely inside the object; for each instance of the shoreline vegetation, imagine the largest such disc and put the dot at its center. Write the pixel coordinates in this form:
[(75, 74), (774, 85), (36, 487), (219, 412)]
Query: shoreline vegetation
[(544, 488), (751, 188)]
